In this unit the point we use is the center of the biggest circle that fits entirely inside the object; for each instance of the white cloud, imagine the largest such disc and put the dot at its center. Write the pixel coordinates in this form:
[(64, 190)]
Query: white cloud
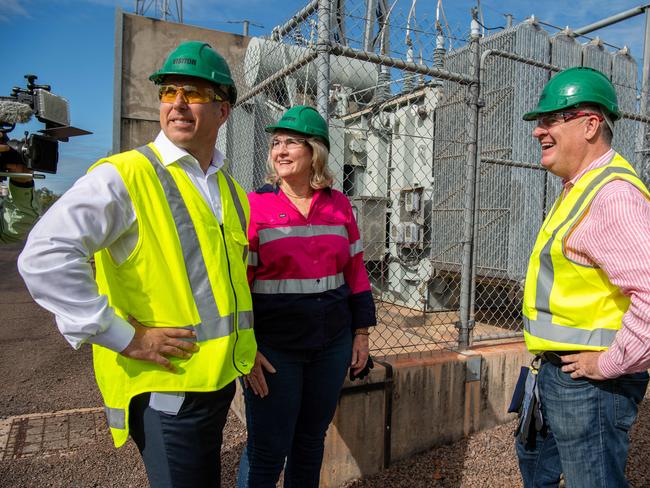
[(12, 8)]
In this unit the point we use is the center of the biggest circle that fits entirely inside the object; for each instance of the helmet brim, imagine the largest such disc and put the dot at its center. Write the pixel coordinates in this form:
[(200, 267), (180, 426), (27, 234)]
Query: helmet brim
[(274, 127), (528, 116)]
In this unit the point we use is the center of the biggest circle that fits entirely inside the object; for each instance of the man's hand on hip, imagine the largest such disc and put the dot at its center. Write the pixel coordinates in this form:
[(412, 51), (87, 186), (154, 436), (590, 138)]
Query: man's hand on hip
[(154, 343), (583, 365)]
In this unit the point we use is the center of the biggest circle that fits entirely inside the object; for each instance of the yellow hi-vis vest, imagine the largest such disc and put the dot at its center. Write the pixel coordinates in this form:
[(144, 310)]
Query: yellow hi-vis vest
[(187, 271), (569, 306)]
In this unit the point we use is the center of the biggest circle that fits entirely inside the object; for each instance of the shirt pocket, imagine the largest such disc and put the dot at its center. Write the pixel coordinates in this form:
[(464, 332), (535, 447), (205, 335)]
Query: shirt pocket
[(237, 244), (272, 227), (333, 245)]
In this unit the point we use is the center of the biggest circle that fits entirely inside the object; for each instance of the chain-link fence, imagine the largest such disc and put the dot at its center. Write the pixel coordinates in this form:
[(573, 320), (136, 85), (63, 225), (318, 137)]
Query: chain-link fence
[(429, 146)]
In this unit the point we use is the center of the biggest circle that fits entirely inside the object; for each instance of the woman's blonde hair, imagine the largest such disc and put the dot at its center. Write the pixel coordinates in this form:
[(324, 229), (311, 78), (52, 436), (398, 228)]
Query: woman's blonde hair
[(320, 176)]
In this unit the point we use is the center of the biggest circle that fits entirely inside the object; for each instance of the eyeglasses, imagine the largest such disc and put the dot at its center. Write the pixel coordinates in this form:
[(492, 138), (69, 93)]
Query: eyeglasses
[(189, 93), (555, 118), (288, 142)]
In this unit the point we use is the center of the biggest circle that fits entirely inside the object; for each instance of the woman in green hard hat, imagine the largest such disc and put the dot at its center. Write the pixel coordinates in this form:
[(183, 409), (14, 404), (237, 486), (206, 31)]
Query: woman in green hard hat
[(311, 302)]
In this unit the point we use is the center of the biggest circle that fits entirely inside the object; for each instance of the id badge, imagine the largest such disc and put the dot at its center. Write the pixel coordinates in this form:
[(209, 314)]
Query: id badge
[(169, 402)]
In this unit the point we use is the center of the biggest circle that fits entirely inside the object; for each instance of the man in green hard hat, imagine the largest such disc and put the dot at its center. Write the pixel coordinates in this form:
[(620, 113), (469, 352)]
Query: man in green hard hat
[(587, 293), (169, 312)]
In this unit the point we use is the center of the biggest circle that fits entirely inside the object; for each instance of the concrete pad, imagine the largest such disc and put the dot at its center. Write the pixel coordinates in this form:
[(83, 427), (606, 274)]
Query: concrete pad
[(48, 434)]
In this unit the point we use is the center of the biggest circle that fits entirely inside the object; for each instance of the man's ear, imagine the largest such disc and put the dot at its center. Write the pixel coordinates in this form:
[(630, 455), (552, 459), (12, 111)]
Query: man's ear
[(591, 128), (225, 109)]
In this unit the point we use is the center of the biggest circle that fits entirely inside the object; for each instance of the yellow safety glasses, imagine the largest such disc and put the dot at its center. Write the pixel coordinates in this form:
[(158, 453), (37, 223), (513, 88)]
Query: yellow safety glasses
[(189, 93)]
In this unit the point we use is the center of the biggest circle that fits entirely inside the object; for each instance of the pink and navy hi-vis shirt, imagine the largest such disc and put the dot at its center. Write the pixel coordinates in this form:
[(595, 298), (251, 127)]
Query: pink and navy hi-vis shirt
[(307, 275)]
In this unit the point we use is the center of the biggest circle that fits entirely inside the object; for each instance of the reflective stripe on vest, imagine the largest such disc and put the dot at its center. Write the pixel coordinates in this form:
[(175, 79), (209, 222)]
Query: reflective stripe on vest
[(115, 417), (212, 325), (310, 285), (275, 233), (221, 326), (543, 327)]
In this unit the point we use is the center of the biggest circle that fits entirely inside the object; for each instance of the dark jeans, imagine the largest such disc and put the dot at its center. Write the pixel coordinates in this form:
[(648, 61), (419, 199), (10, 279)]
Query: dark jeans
[(291, 421), (589, 423), (182, 450)]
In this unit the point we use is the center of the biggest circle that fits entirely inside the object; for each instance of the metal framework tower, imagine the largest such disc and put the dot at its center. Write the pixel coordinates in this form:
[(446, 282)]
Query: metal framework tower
[(169, 10)]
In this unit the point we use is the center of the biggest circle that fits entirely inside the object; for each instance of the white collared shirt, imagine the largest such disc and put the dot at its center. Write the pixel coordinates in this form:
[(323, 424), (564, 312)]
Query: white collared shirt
[(96, 213)]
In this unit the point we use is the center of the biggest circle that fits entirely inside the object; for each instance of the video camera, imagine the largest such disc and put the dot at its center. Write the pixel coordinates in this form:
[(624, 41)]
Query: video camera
[(39, 152)]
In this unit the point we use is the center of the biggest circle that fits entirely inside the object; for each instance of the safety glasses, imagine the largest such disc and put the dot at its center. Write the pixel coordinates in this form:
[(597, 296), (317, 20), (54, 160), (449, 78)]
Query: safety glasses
[(555, 118), (189, 93), (288, 142)]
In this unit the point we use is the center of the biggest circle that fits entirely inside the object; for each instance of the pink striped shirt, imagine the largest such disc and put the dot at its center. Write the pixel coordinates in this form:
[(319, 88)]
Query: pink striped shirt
[(615, 235)]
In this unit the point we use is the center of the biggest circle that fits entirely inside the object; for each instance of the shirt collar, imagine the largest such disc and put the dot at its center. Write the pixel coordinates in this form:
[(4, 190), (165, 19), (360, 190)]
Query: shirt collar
[(171, 153), (597, 163), (275, 188)]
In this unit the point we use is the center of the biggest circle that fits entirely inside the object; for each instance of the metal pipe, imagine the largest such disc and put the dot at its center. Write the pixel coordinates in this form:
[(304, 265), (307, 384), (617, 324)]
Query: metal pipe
[(637, 117), (385, 31), (472, 295), (246, 24), (36, 176), (516, 57), (289, 25), (645, 72), (512, 164), (465, 325), (117, 82), (380, 59), (494, 337), (369, 23), (633, 12), (283, 73), (323, 59)]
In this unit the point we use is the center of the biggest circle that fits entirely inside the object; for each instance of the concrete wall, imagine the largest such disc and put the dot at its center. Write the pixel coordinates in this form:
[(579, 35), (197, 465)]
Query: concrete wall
[(141, 46), (424, 403)]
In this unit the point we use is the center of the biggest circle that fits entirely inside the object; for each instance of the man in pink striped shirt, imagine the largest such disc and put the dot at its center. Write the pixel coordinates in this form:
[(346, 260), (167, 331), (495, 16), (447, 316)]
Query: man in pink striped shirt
[(587, 294)]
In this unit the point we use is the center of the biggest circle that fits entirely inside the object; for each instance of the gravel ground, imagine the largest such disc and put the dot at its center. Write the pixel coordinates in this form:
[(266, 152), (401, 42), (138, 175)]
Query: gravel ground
[(42, 373)]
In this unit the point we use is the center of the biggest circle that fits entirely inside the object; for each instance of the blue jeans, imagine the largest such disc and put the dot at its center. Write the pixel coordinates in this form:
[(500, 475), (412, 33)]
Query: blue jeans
[(291, 421), (588, 438)]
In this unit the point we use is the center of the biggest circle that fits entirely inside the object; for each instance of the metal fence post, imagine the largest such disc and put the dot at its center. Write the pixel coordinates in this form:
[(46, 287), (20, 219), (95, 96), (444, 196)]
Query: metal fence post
[(644, 137), (323, 59), (465, 324)]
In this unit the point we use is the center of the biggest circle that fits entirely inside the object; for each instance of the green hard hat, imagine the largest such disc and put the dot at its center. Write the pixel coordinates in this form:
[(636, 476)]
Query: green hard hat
[(196, 58), (574, 86), (305, 120)]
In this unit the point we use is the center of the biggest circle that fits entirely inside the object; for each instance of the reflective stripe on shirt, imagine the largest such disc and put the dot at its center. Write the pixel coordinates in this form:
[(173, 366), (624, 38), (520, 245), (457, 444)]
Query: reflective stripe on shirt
[(309, 285), (275, 233)]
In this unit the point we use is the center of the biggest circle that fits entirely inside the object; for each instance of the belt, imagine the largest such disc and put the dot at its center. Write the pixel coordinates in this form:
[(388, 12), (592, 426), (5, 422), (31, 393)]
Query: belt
[(555, 357)]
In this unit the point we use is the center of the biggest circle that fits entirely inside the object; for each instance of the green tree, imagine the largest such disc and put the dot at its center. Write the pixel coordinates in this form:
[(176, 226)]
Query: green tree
[(46, 198)]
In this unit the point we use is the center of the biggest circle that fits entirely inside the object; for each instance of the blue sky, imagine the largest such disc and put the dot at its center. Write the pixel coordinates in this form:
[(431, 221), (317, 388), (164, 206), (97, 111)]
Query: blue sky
[(69, 45)]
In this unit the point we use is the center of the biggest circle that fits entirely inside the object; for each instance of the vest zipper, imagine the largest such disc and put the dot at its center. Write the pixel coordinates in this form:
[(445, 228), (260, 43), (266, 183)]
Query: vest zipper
[(234, 294)]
